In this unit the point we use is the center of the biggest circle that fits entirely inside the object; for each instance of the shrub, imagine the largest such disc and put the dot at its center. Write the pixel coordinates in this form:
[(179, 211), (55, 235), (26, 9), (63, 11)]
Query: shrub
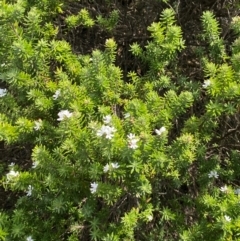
[(113, 159)]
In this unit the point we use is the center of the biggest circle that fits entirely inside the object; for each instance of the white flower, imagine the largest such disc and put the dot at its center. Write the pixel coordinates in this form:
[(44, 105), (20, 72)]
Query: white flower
[(109, 132), (34, 164), (127, 115), (57, 94), (38, 125), (3, 92), (131, 136), (160, 131), (213, 174), (29, 238), (106, 168), (101, 131), (227, 218), (206, 84), (237, 191), (12, 174), (12, 164), (132, 141), (224, 188), (115, 165), (29, 191), (64, 114), (150, 217), (93, 188), (106, 131), (107, 119), (133, 144)]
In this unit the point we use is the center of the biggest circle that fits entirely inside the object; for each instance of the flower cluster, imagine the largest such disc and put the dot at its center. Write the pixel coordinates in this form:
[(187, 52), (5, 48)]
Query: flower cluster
[(94, 187), (213, 174), (12, 175), (150, 217), (108, 167), (227, 218), (38, 125), (64, 114), (107, 119), (34, 164), (160, 131), (206, 84), (106, 130), (29, 238), (132, 141), (224, 188), (3, 92), (29, 190), (57, 94)]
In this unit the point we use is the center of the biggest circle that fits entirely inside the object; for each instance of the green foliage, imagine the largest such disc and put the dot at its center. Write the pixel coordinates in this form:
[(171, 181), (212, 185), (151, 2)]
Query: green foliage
[(167, 40), (211, 33), (113, 159), (110, 22), (82, 18)]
